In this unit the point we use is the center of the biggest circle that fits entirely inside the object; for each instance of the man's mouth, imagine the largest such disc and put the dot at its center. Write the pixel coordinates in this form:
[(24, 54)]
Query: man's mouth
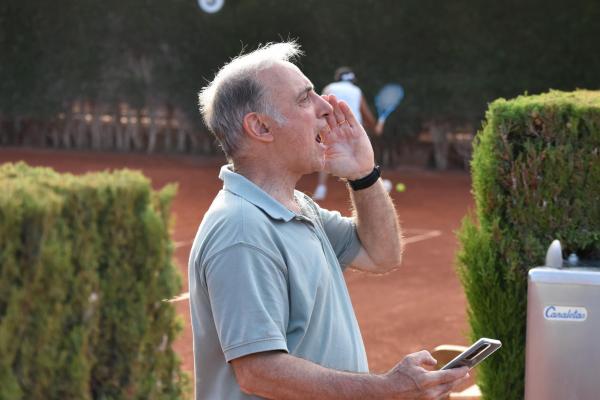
[(320, 138)]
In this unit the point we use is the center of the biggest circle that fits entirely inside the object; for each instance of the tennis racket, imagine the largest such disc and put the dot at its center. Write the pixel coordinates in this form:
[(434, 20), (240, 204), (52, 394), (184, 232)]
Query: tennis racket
[(388, 99)]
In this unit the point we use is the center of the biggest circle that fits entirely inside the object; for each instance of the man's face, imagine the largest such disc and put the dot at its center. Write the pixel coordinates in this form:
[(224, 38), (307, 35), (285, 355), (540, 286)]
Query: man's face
[(296, 140)]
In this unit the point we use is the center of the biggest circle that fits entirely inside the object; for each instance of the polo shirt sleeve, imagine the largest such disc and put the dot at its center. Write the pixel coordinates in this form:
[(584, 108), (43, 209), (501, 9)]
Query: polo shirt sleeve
[(247, 289), (342, 234)]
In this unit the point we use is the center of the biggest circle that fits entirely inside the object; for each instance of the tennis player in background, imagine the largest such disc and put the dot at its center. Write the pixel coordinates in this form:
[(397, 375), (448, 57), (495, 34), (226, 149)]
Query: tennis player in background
[(345, 88)]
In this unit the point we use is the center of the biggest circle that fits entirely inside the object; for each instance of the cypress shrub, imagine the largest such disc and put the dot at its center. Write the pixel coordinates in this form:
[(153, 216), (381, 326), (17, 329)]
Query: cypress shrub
[(536, 177), (85, 263)]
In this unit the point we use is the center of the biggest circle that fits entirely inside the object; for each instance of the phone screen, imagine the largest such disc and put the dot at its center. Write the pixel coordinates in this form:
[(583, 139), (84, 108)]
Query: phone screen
[(477, 351)]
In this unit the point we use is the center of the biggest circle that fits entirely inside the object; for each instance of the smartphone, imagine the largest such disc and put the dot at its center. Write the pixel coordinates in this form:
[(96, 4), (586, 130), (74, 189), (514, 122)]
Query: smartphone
[(475, 354)]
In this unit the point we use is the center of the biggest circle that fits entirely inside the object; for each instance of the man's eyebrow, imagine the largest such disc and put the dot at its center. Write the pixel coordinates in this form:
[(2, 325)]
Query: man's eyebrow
[(307, 88)]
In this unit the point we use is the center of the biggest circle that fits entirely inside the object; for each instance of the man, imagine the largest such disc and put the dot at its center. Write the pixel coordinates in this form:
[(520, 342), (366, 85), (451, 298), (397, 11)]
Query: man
[(344, 88), (271, 314)]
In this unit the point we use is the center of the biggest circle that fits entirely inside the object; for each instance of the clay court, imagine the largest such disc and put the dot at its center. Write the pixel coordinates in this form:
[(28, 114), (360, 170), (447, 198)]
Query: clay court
[(418, 306)]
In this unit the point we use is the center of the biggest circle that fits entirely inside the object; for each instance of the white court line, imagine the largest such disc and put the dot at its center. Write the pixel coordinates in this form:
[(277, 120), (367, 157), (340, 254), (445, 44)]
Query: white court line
[(181, 244), (423, 236), (426, 234), (181, 297)]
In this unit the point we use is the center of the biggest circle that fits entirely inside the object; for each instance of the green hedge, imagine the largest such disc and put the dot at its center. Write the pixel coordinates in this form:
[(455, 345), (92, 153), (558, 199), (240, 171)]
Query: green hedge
[(536, 177), (85, 262)]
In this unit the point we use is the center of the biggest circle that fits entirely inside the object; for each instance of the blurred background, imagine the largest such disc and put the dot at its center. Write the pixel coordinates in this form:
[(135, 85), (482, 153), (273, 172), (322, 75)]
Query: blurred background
[(124, 75)]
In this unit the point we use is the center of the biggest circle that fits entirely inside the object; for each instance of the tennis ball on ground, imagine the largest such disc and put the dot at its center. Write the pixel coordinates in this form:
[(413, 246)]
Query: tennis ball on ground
[(400, 187)]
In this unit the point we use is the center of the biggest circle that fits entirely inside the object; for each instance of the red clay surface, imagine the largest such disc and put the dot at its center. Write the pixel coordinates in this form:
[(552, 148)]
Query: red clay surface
[(418, 306)]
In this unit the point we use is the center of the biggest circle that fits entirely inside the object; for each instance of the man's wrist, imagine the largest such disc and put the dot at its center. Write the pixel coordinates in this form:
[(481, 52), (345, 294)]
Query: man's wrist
[(360, 174), (366, 180), (378, 386)]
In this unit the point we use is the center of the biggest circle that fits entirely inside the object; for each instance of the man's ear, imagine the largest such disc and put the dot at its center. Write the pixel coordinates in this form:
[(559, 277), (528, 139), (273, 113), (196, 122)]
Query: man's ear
[(256, 126)]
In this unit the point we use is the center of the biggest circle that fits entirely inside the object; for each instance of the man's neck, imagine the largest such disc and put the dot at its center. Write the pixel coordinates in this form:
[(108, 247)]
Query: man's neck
[(278, 183)]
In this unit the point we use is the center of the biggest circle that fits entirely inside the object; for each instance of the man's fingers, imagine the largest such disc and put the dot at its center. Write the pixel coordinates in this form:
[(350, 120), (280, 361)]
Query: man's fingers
[(341, 114), (449, 376), (422, 357), (337, 112), (443, 391), (331, 121), (461, 382), (348, 114)]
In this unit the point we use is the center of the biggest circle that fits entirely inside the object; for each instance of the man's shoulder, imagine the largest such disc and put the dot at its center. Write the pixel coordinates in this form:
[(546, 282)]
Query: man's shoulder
[(231, 220), (231, 210), (226, 203)]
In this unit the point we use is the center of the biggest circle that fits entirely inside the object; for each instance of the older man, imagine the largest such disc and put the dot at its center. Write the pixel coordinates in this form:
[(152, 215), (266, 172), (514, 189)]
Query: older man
[(270, 310)]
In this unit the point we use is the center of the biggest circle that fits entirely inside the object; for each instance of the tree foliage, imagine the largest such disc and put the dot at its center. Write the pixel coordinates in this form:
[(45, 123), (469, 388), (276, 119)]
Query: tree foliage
[(452, 57)]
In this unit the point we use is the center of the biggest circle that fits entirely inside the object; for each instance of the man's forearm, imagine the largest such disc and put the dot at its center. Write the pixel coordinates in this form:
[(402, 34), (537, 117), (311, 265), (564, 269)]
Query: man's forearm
[(282, 376), (378, 227)]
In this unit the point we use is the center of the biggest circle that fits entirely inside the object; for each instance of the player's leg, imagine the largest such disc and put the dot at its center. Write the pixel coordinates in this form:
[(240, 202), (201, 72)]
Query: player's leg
[(321, 190)]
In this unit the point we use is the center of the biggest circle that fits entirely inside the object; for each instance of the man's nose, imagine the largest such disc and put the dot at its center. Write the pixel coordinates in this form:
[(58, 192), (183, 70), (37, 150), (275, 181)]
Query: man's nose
[(324, 107)]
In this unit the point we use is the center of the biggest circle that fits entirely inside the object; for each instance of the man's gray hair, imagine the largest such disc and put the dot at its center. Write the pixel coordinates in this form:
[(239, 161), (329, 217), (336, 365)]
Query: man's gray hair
[(235, 91)]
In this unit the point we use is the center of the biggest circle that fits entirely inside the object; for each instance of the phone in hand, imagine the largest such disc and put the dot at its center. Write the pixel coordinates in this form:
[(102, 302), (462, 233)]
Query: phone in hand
[(479, 351)]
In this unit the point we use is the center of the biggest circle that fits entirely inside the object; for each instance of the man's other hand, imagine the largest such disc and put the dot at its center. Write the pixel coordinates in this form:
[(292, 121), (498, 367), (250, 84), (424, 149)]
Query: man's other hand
[(410, 379)]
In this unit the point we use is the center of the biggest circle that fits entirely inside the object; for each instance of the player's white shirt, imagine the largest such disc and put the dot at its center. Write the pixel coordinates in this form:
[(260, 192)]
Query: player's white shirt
[(350, 93)]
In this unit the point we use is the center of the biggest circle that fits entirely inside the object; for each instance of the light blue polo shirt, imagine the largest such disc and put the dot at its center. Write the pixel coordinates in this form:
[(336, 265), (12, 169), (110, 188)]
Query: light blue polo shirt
[(263, 278)]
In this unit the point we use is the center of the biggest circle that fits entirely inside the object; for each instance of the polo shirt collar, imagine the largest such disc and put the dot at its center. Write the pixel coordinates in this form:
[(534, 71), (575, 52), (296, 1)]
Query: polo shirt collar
[(246, 189)]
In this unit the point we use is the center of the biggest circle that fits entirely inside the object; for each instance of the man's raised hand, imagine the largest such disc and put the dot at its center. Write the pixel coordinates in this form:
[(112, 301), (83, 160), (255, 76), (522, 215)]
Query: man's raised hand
[(348, 150)]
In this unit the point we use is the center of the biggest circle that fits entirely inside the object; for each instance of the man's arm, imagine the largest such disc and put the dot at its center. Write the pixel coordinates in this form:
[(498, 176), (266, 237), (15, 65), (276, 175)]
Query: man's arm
[(277, 375), (378, 229), (349, 155)]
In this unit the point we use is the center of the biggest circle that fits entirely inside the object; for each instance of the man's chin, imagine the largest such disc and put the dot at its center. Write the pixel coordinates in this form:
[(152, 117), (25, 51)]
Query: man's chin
[(318, 166), (321, 162), (321, 155), (322, 166)]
